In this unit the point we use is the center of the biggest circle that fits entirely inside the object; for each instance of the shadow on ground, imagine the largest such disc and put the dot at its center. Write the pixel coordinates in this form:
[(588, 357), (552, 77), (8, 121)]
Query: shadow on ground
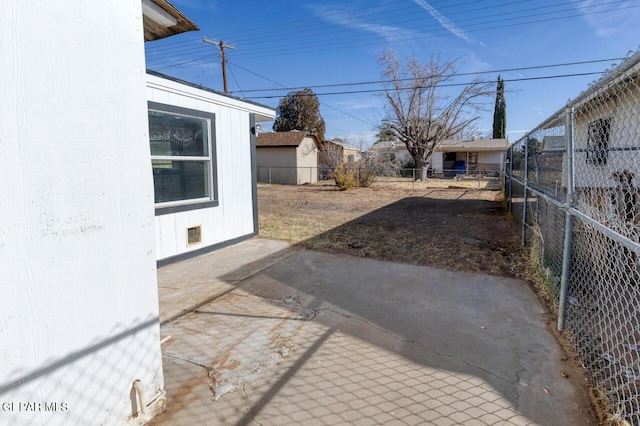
[(289, 336), (458, 234)]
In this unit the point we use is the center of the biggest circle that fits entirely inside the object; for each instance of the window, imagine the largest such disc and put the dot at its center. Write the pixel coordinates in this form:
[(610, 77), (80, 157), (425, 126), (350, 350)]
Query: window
[(182, 158), (598, 141)]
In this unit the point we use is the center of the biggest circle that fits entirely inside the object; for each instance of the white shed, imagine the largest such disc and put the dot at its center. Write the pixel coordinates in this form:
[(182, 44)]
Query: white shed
[(203, 156), (289, 158)]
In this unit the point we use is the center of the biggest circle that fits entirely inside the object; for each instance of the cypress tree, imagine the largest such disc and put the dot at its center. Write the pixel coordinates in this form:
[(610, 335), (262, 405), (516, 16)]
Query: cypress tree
[(500, 113)]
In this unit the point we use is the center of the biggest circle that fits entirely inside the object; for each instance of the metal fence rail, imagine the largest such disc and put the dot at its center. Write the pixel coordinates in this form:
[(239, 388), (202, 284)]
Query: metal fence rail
[(480, 173), (571, 186)]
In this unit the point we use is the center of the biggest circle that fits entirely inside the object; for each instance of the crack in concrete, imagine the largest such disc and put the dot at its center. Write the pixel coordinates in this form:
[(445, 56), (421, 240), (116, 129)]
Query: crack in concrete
[(246, 405), (174, 357)]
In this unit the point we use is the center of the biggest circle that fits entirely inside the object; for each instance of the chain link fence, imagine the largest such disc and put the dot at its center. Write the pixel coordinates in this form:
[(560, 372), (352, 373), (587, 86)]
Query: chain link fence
[(571, 186), (482, 176)]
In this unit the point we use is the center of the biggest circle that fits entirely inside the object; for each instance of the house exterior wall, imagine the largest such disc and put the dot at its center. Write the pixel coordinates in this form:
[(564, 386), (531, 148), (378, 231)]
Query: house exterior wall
[(485, 159), (622, 139), (79, 298), (437, 162), (233, 217), (490, 157), (307, 162), (277, 164)]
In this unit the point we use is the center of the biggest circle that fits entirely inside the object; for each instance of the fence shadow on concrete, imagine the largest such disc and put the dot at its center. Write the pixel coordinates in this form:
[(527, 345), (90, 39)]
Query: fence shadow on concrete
[(386, 341)]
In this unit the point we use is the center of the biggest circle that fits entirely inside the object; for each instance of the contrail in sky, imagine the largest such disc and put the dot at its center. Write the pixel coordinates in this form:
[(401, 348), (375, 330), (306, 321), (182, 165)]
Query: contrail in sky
[(446, 23)]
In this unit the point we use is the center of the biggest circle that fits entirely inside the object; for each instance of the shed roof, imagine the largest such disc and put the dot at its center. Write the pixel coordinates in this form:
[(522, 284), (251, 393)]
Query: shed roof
[(162, 19), (292, 138)]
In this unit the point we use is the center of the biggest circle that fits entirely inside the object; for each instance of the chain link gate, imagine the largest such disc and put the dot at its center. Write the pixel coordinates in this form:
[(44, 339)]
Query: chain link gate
[(571, 185)]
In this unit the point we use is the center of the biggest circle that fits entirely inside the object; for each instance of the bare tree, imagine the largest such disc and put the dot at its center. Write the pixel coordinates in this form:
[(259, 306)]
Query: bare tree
[(421, 113)]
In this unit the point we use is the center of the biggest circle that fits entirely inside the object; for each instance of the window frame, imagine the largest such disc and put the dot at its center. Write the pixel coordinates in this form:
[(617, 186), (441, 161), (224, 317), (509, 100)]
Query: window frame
[(196, 203), (598, 150)]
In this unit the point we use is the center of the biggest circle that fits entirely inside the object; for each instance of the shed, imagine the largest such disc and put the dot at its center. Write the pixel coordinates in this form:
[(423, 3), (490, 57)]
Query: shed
[(289, 158), (483, 156)]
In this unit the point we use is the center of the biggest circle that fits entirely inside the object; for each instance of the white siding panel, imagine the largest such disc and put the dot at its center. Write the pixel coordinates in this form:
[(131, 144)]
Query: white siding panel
[(490, 157), (233, 217), (437, 162)]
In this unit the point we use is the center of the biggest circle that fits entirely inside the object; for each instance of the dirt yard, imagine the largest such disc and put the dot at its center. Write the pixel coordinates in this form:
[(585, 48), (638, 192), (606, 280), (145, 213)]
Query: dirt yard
[(451, 228)]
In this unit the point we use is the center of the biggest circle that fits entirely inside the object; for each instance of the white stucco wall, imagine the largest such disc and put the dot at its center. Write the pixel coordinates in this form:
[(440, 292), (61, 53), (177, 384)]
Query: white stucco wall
[(307, 161), (78, 293), (233, 216)]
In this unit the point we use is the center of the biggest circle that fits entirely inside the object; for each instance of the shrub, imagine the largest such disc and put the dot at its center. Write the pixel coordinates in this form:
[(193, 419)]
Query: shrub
[(345, 177)]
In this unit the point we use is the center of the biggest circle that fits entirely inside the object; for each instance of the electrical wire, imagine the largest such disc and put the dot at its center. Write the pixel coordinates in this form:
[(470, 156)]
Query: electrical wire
[(290, 49), (351, 92), (371, 123), (362, 83)]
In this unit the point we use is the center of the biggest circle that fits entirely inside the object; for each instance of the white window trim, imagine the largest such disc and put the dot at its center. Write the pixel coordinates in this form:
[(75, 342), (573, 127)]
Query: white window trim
[(194, 203)]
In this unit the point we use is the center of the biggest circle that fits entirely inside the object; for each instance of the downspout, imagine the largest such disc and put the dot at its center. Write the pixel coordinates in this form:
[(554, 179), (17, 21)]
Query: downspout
[(137, 385)]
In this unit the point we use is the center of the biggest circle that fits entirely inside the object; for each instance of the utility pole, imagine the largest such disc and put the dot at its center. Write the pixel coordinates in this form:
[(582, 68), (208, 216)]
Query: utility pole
[(222, 45)]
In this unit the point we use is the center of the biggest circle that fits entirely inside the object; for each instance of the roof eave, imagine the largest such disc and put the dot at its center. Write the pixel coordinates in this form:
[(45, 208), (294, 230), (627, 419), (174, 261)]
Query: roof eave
[(161, 19)]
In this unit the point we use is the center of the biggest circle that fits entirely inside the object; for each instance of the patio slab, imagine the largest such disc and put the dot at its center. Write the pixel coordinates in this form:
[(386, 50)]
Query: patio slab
[(303, 337)]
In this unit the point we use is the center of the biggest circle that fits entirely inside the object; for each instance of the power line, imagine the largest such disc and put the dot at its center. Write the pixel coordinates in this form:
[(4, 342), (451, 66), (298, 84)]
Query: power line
[(259, 30), (352, 92), (261, 39), (325, 104), (315, 48), (283, 24), (310, 27), (235, 79), (363, 83), (248, 51)]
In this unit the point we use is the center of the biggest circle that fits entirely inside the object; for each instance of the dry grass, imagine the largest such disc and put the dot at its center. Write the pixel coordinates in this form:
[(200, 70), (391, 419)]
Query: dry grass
[(459, 229)]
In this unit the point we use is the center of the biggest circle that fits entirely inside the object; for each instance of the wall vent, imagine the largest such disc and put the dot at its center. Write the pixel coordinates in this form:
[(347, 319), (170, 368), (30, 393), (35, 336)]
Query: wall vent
[(194, 235)]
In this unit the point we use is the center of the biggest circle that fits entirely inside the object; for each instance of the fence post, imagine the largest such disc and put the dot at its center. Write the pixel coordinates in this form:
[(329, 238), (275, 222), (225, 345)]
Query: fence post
[(511, 179), (568, 228), (269, 175), (526, 182), (309, 176)]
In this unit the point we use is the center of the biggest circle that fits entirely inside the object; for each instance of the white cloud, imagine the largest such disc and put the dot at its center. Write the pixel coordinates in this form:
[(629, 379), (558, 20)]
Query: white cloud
[(447, 24), (388, 32), (621, 21)]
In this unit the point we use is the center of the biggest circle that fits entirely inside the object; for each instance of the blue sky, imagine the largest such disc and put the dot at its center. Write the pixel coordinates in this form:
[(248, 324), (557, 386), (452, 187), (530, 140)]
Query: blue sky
[(291, 44)]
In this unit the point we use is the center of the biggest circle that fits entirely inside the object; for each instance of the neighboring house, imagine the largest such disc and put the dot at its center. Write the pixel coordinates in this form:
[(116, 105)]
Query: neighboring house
[(390, 151), (476, 156), (204, 163), (346, 152), (289, 158), (606, 146), (78, 243)]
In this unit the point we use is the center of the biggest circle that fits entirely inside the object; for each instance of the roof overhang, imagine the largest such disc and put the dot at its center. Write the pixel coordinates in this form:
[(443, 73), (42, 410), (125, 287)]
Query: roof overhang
[(162, 19), (473, 145)]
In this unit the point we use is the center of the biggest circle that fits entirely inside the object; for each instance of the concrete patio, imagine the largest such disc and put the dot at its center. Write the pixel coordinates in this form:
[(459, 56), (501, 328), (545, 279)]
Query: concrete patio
[(265, 333)]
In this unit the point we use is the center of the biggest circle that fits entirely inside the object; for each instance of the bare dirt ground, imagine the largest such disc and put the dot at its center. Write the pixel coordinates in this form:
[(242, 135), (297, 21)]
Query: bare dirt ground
[(452, 228)]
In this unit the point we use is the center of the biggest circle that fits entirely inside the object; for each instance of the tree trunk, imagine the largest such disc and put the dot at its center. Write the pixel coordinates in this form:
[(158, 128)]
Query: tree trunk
[(421, 168)]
